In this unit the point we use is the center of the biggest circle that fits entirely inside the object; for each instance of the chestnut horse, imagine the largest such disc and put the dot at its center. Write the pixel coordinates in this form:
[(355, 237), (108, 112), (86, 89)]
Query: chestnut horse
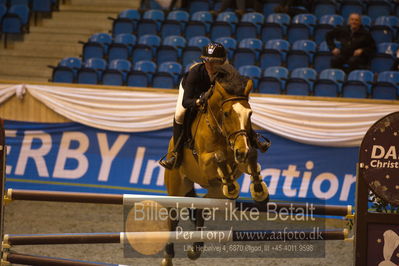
[(221, 151)]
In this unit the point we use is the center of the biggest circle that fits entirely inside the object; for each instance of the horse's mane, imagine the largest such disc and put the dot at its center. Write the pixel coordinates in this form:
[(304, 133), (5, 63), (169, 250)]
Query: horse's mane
[(229, 78)]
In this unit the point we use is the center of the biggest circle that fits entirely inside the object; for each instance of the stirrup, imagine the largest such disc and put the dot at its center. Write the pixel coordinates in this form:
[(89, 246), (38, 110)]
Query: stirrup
[(168, 163), (264, 145)]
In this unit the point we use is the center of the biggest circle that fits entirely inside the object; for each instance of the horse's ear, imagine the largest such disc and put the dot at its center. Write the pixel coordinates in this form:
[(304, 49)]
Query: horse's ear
[(248, 87)]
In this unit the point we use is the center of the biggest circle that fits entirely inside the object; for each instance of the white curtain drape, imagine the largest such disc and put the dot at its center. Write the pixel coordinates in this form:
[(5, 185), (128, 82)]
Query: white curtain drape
[(325, 123)]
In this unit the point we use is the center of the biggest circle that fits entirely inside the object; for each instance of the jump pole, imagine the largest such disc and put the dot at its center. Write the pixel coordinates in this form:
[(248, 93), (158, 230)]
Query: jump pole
[(18, 258), (176, 237), (171, 201)]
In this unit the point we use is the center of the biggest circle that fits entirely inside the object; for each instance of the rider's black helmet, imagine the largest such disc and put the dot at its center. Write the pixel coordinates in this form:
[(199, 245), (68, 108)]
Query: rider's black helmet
[(214, 51)]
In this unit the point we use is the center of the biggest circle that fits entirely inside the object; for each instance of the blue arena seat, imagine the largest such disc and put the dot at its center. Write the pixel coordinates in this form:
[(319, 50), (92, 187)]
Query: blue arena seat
[(146, 47), (387, 86), (199, 5), (249, 26), (301, 54), (274, 53), (326, 24), (23, 12), (199, 24), (224, 26), (329, 83), (358, 84), (142, 73), (66, 70), (322, 57), (301, 27), (126, 22), (377, 8), (92, 70), (275, 27), (385, 29), (171, 49), (269, 6), (116, 72), (247, 52), (167, 75), (151, 22), (229, 44), (385, 57), (193, 49), (175, 23), (273, 80), (301, 81), (252, 72), (122, 46), (325, 7)]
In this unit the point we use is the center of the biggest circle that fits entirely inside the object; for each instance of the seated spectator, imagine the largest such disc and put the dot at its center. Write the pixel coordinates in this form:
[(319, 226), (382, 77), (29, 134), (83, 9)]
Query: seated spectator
[(294, 7), (357, 45), (240, 6)]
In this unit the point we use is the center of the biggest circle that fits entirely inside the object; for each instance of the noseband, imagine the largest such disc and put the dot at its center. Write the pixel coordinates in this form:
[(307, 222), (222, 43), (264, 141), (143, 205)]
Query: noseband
[(219, 129)]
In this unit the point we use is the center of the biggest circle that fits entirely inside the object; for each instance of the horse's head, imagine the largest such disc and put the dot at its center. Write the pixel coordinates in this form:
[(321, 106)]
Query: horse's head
[(229, 104)]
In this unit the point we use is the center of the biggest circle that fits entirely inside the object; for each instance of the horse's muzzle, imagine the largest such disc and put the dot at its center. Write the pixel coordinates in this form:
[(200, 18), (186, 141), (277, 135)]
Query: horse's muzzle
[(240, 156)]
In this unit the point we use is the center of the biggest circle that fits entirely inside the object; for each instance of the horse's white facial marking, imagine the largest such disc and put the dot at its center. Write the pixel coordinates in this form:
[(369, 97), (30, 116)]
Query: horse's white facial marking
[(243, 114)]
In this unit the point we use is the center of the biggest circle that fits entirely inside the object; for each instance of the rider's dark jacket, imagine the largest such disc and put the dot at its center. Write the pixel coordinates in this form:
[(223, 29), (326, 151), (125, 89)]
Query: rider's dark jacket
[(195, 82)]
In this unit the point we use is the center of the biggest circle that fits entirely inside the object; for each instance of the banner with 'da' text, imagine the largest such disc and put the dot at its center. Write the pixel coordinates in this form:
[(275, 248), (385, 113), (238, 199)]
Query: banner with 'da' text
[(73, 157)]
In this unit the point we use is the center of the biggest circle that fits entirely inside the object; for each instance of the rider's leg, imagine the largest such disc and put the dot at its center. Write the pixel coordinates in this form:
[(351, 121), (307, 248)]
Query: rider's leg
[(178, 132)]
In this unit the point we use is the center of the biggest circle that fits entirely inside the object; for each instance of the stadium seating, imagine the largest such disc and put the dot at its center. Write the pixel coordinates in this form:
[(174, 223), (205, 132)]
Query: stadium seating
[(249, 26), (192, 51), (126, 22), (224, 26), (229, 44), (175, 23), (301, 81), (171, 49), (92, 71), (377, 8), (142, 73), (326, 24), (329, 83), (387, 86), (252, 72), (358, 84), (275, 27), (116, 72), (199, 24), (247, 52), (273, 80), (384, 29), (274, 53), (325, 7), (301, 27), (301, 54), (385, 57), (322, 57)]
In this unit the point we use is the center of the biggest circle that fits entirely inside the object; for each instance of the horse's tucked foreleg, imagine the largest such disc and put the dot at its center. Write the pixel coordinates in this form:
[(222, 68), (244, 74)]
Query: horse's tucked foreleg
[(230, 188), (258, 187)]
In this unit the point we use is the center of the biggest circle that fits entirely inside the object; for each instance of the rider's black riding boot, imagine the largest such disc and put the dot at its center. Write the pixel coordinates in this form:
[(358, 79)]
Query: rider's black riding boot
[(259, 143), (170, 162)]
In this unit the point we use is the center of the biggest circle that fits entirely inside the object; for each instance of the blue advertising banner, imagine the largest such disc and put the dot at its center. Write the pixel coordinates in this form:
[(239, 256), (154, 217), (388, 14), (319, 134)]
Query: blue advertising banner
[(74, 157)]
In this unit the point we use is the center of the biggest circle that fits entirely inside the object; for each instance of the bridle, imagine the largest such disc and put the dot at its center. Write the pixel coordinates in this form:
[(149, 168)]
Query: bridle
[(219, 129)]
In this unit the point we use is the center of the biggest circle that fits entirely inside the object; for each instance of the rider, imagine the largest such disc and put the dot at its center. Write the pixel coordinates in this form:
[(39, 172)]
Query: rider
[(193, 94)]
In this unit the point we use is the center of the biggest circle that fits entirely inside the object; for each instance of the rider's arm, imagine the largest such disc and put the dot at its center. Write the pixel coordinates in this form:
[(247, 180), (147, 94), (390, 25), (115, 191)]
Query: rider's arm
[(190, 96)]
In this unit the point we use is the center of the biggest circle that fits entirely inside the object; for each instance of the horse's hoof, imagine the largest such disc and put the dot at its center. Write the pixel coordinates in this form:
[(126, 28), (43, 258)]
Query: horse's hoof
[(259, 192), (193, 253), (166, 262), (231, 190)]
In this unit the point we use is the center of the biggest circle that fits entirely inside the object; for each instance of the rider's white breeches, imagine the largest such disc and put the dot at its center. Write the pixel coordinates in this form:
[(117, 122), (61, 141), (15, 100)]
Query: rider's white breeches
[(180, 110)]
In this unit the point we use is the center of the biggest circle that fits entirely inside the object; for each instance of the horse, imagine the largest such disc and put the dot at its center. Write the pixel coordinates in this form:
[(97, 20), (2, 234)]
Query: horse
[(220, 151)]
